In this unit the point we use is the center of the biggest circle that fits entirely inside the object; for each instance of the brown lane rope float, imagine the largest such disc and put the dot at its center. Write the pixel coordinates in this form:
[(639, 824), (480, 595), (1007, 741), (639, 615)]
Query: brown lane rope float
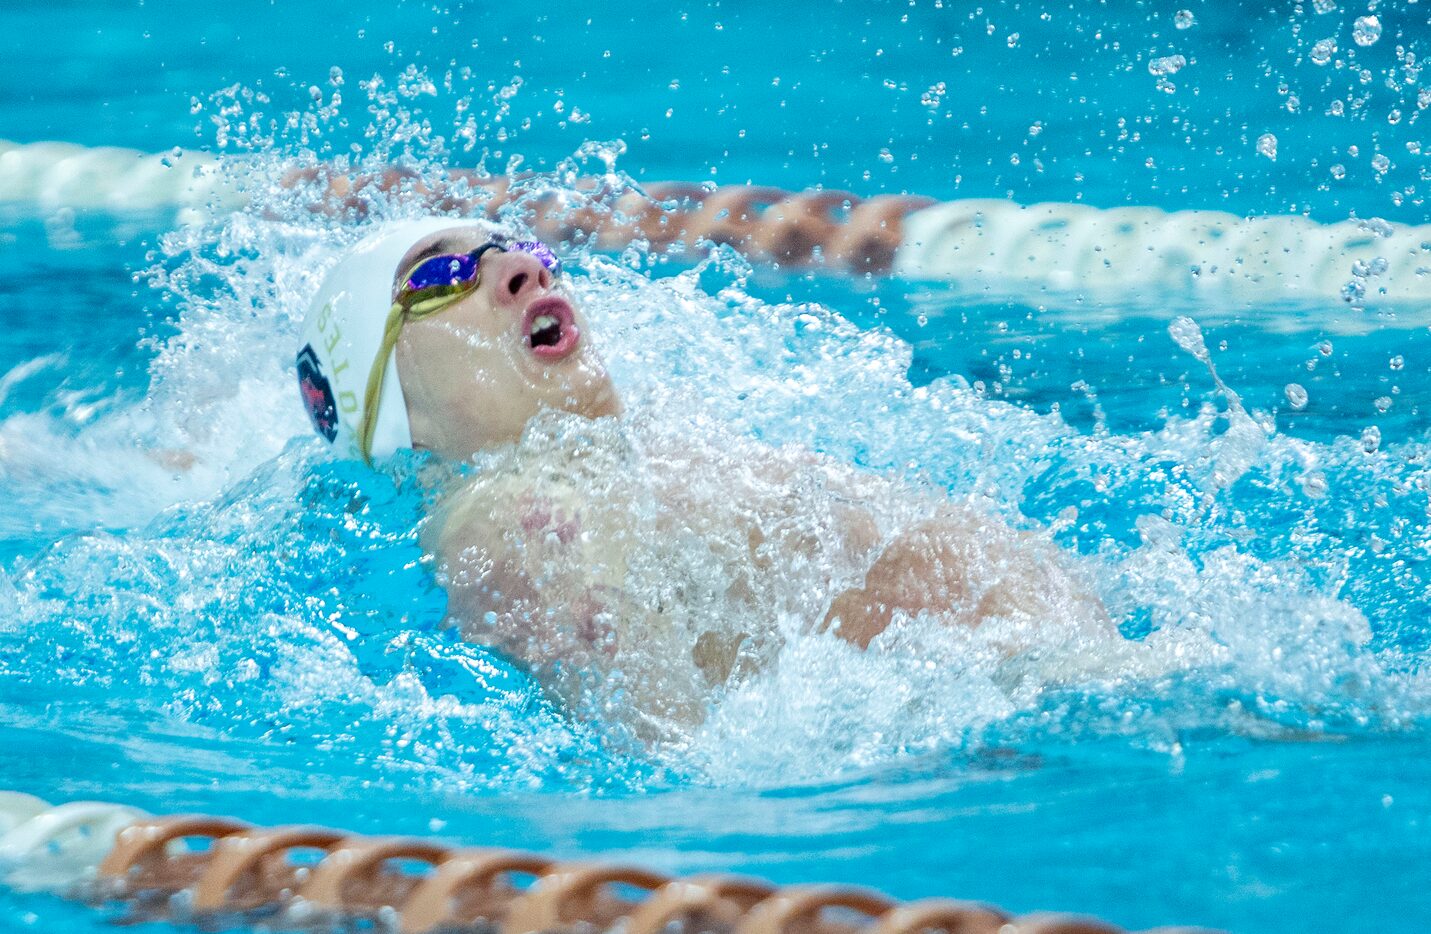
[(834, 230), (197, 869)]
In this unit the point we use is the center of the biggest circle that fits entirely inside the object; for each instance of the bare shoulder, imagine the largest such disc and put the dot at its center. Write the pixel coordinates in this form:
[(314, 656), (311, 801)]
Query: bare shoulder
[(474, 512)]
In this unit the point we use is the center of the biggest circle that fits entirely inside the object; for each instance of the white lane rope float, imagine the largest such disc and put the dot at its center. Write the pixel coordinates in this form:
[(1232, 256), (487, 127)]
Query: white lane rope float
[(987, 245), (45, 848), (219, 872)]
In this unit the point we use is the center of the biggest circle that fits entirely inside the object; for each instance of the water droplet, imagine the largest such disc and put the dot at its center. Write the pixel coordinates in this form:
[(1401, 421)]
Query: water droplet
[(1323, 51), (1371, 439), (1367, 30), (1184, 19), (1167, 65), (1186, 333), (1296, 396), (1267, 146)]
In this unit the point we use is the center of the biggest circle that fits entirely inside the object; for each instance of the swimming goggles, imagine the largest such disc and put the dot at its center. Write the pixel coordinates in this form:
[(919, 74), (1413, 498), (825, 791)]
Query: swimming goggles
[(427, 288)]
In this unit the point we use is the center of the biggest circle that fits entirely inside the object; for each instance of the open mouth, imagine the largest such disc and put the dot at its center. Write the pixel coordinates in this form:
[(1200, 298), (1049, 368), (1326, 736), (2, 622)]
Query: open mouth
[(549, 327)]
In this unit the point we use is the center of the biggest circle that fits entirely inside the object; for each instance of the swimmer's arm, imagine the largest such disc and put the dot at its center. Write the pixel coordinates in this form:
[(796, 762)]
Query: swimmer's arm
[(953, 561), (966, 568)]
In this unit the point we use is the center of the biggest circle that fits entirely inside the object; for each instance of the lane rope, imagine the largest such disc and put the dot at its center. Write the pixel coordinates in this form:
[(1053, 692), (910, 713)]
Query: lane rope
[(217, 871), (983, 245)]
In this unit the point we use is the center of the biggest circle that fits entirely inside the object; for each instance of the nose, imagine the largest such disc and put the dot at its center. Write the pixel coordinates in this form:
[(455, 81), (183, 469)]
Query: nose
[(516, 277)]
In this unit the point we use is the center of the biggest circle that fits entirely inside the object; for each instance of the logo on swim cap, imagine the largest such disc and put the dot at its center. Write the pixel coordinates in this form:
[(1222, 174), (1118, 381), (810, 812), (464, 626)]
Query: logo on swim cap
[(317, 394)]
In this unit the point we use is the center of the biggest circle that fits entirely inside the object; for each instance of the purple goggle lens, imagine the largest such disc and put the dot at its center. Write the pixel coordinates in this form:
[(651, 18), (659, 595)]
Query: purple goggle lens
[(541, 251), (452, 269), (448, 269)]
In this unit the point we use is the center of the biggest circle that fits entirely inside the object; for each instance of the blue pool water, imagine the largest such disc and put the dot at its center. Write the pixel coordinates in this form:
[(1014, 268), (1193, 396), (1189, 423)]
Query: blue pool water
[(259, 635)]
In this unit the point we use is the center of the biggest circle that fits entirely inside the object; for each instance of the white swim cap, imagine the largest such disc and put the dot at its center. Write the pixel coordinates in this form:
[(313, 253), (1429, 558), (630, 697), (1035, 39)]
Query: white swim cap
[(343, 335)]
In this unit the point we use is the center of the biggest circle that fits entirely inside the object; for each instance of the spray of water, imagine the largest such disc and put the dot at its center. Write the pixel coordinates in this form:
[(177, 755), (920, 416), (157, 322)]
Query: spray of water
[(246, 587)]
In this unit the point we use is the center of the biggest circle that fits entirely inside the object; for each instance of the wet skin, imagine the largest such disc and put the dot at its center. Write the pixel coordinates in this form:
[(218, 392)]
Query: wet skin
[(542, 565)]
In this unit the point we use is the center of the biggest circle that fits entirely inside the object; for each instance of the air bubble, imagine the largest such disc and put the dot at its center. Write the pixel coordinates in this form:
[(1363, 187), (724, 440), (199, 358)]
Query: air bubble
[(1380, 163), (1296, 396), (1397, 362), (1184, 19), (1323, 51), (1267, 146), (1324, 6), (1383, 404), (1339, 171), (1367, 30)]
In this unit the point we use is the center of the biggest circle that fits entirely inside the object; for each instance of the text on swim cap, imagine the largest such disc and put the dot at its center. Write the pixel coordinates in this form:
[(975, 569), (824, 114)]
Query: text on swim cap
[(332, 336)]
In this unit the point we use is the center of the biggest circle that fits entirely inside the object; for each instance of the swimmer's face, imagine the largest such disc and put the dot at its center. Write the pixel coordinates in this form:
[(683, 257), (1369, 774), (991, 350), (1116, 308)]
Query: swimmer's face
[(476, 371)]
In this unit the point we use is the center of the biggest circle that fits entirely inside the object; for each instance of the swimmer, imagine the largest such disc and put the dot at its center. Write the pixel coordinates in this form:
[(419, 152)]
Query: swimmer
[(624, 555)]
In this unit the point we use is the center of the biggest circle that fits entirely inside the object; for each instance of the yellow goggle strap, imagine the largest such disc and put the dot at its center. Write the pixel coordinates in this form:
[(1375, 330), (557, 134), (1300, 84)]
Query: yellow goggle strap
[(372, 396)]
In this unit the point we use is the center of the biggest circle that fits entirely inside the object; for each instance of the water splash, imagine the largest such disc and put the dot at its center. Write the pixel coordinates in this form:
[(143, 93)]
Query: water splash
[(247, 589)]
